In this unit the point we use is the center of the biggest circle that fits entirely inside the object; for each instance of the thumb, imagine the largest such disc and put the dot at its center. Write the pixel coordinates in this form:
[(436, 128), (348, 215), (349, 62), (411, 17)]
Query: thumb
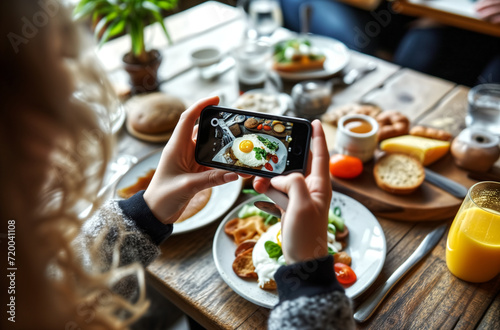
[(293, 185), (211, 178)]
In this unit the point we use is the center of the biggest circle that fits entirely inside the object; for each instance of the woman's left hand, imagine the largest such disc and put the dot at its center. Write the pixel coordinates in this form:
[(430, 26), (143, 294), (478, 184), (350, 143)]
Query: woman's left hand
[(178, 176)]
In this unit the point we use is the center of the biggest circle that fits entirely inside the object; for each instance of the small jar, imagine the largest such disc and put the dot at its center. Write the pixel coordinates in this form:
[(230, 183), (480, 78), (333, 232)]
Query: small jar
[(475, 150), (357, 136)]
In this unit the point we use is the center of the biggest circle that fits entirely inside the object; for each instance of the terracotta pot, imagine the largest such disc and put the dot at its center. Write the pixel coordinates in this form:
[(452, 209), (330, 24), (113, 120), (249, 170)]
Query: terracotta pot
[(143, 76)]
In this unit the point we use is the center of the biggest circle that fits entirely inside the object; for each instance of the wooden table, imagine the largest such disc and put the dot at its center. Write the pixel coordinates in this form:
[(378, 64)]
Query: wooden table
[(427, 297)]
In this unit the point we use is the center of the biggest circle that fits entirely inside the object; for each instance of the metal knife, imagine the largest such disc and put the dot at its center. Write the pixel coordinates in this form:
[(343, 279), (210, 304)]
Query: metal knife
[(446, 184), (366, 309)]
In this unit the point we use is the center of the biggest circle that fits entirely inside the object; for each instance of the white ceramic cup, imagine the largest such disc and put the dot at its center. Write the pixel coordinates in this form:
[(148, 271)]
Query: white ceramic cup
[(206, 59), (357, 136)]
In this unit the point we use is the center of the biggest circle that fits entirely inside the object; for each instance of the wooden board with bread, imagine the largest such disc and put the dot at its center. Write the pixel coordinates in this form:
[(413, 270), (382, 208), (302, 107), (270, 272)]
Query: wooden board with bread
[(392, 184)]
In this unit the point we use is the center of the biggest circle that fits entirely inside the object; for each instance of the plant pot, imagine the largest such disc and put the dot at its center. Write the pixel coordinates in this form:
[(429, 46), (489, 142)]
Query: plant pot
[(143, 76)]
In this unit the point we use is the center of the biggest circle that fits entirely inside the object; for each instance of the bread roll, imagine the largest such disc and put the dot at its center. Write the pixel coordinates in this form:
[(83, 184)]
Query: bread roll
[(398, 174)]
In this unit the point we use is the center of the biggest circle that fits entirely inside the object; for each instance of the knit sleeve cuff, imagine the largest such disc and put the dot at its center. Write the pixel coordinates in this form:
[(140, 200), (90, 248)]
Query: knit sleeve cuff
[(308, 278), (136, 208)]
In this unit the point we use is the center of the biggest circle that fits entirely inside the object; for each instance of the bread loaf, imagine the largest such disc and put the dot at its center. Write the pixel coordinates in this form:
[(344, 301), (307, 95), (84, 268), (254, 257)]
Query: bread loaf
[(398, 173)]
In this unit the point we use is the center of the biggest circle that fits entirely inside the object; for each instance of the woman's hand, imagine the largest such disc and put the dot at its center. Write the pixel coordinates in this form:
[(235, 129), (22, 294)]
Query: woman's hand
[(489, 10), (304, 224), (178, 176)]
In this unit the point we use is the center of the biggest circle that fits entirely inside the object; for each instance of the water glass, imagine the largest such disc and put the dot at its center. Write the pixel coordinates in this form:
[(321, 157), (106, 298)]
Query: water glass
[(473, 246), (265, 16), (484, 108), (252, 64)]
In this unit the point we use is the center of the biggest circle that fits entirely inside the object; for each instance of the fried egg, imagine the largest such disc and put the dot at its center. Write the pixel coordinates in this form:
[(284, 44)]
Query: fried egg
[(243, 149)]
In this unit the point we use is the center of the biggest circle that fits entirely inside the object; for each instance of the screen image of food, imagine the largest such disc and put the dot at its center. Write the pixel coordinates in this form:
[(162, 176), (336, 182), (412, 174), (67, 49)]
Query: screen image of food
[(251, 142)]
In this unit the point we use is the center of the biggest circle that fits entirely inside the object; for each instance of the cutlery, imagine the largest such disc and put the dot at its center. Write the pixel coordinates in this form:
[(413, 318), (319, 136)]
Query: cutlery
[(280, 202), (366, 309), (446, 184), (268, 207)]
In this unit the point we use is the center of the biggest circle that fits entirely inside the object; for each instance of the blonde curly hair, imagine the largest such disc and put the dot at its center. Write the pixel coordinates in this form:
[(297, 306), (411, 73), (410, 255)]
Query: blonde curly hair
[(54, 148)]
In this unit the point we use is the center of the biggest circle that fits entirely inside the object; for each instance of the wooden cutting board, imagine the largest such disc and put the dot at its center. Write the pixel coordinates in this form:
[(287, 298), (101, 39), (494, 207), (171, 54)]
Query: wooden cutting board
[(427, 203)]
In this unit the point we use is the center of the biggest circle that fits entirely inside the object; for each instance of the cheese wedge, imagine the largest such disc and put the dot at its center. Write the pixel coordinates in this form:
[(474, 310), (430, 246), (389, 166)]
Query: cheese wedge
[(424, 149)]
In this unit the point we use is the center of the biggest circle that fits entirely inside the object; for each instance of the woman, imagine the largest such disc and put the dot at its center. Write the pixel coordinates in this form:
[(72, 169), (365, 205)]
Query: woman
[(69, 274)]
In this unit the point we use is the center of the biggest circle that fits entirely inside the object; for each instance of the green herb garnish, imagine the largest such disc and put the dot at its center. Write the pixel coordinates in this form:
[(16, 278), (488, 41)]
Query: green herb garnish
[(273, 249), (269, 144), (260, 153)]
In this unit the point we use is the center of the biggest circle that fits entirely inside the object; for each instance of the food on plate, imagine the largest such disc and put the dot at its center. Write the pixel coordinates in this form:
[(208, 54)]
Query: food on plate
[(345, 166), (195, 205), (265, 248), (247, 228), (332, 117), (431, 132), (243, 265), (153, 117), (297, 55), (345, 275), (254, 151), (251, 123), (141, 184), (398, 173), (260, 102), (426, 150), (392, 124)]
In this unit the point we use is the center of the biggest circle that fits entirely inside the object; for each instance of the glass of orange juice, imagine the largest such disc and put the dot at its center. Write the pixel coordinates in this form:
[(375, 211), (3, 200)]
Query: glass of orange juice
[(473, 246)]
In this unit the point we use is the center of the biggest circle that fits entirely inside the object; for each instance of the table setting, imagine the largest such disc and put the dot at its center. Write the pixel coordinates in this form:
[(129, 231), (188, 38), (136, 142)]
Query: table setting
[(403, 246)]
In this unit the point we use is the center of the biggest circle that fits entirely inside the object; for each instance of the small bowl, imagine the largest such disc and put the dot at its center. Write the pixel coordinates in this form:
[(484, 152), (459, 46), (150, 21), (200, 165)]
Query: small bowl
[(204, 57)]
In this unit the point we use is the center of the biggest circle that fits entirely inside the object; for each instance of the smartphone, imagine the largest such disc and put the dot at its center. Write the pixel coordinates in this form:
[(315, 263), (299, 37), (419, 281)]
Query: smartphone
[(252, 142)]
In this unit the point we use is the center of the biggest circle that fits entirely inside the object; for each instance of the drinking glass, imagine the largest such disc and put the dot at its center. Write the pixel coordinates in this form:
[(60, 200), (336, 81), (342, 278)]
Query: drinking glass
[(484, 108), (265, 16), (252, 64), (473, 246)]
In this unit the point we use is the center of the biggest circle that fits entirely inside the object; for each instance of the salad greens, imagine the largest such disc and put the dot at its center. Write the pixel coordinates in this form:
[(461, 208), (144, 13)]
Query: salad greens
[(251, 210), (273, 249)]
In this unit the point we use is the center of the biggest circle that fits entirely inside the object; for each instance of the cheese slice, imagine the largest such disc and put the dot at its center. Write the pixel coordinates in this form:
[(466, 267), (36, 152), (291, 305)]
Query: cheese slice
[(424, 149)]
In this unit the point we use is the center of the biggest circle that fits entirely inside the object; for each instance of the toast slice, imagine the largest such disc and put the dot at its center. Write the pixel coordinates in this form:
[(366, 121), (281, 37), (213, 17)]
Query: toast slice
[(398, 173)]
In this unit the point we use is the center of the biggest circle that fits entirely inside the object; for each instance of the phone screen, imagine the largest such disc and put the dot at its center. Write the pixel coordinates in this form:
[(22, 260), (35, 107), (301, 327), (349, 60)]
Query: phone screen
[(252, 142)]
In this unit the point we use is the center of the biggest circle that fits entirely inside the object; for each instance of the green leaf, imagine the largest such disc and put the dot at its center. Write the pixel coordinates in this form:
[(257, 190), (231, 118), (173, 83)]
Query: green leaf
[(166, 5), (114, 28), (102, 23), (273, 249), (330, 251)]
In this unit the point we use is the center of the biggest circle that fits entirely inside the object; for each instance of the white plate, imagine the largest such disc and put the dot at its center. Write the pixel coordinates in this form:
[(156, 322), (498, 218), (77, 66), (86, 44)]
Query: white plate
[(281, 153), (221, 200), (366, 246), (337, 57)]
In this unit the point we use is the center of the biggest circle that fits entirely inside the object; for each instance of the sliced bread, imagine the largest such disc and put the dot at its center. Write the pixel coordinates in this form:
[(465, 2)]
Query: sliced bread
[(398, 173)]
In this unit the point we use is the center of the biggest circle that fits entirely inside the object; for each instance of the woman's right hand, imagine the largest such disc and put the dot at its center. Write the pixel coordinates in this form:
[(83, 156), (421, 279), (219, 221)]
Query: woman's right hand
[(489, 10), (304, 225)]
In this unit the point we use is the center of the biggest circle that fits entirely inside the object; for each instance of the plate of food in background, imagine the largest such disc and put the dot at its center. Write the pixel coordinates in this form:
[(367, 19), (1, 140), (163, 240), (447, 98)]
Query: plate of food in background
[(204, 208), (309, 57), (244, 259)]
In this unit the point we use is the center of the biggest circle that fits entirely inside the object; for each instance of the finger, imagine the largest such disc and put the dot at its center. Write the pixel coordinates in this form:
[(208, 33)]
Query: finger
[(261, 184), (320, 158), (184, 129), (210, 178), (293, 185)]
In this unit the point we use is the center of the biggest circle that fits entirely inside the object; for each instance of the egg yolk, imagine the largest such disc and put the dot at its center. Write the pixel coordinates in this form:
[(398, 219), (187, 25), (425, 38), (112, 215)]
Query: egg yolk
[(246, 146)]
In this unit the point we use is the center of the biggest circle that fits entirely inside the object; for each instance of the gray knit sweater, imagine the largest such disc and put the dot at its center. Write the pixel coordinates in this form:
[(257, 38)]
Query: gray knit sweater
[(310, 296)]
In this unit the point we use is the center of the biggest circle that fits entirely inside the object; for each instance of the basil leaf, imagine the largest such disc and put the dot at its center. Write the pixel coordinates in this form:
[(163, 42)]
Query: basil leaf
[(273, 249)]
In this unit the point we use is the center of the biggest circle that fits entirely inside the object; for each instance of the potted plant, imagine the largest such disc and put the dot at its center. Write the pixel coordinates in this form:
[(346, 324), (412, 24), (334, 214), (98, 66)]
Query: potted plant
[(111, 18)]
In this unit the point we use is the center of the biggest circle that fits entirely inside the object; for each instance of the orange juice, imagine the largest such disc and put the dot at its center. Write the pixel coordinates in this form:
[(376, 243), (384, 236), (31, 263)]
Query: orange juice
[(473, 247)]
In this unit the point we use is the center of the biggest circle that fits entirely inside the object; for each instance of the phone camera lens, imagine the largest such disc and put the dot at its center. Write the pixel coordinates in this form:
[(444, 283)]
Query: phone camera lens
[(214, 122)]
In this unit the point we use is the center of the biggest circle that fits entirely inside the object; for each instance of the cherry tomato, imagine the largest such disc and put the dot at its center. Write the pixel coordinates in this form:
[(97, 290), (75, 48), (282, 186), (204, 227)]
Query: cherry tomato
[(346, 167), (268, 167), (345, 275), (267, 128), (274, 158), (259, 126)]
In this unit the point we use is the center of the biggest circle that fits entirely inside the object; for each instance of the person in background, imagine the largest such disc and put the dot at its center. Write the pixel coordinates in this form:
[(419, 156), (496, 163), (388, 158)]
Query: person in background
[(459, 55), (73, 273), (374, 31)]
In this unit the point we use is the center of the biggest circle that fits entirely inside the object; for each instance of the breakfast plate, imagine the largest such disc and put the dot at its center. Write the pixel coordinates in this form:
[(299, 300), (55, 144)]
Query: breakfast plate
[(221, 199), (281, 153), (366, 246), (337, 57)]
